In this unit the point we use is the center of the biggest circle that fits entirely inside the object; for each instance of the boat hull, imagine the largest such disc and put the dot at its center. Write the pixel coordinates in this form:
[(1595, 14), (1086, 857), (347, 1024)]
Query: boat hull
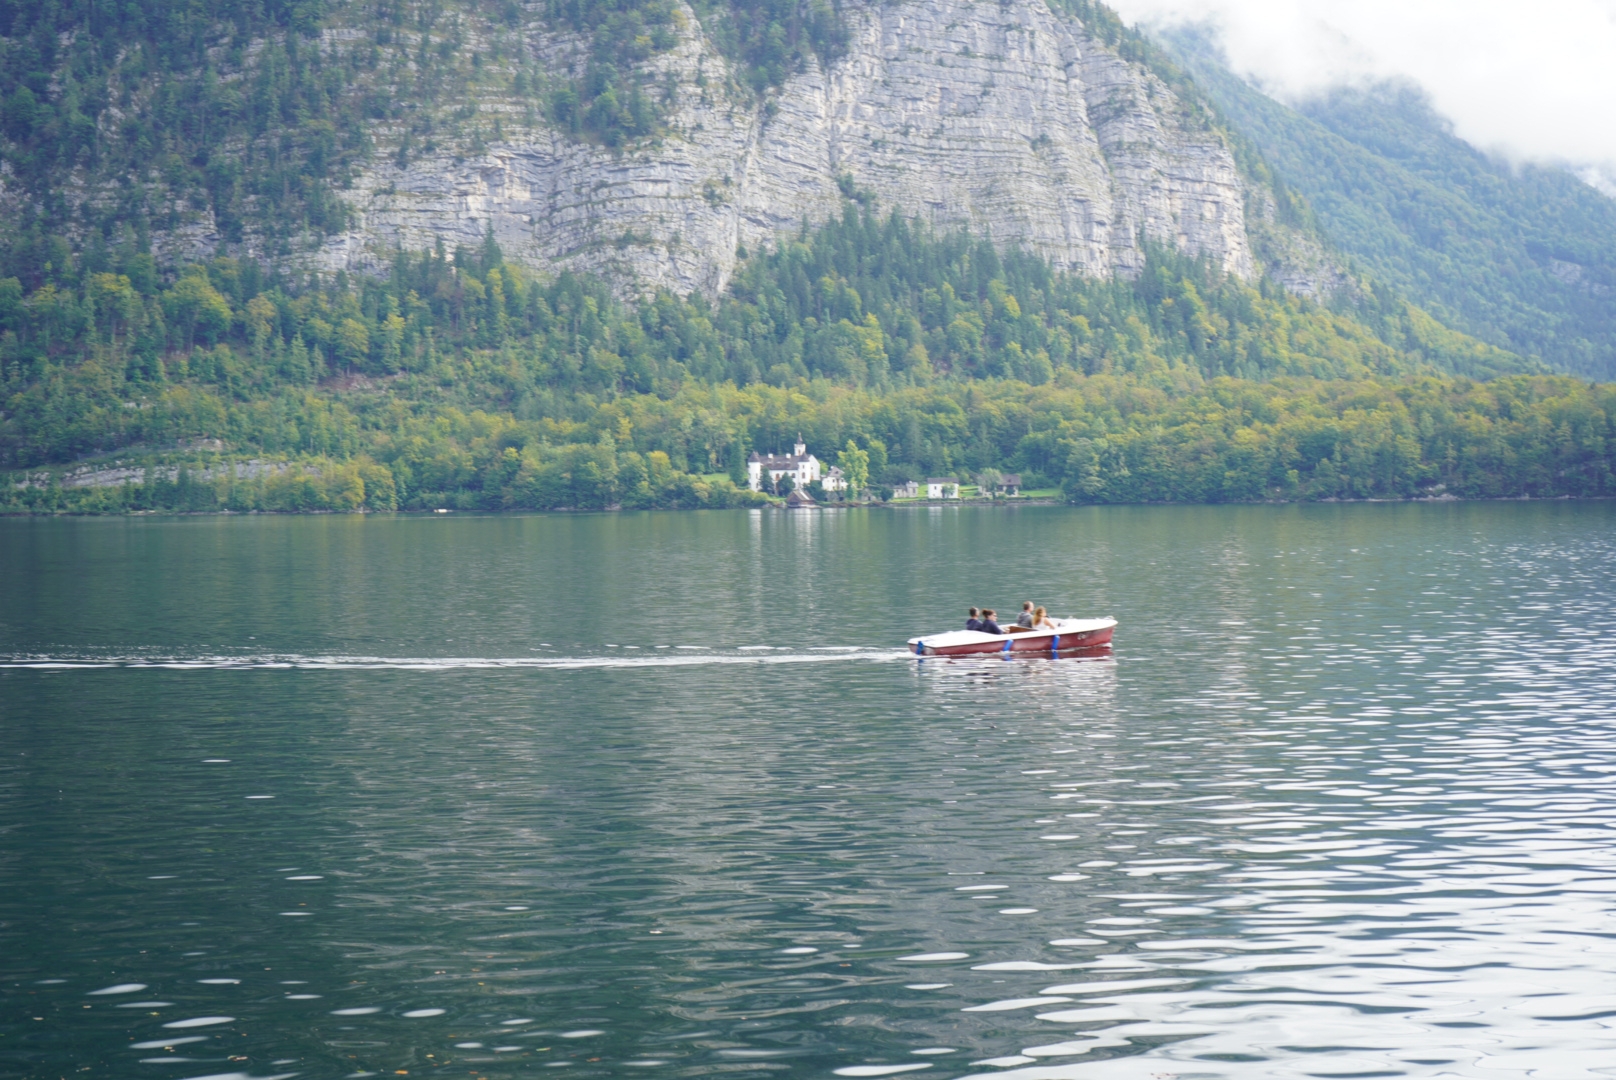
[(1073, 635)]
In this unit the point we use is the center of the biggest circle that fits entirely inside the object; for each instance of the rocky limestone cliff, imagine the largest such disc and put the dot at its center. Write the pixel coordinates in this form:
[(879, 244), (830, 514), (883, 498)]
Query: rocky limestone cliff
[(1006, 118)]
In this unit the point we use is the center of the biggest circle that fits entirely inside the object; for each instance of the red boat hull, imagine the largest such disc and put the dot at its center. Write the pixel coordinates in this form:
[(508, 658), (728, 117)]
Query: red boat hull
[(1039, 644)]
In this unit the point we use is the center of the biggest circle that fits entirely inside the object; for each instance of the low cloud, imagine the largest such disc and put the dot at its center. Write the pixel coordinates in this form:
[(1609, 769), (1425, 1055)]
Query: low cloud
[(1530, 82)]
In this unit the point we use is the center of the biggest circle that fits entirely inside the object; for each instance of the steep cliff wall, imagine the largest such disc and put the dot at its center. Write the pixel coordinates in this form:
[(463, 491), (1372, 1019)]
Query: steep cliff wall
[(1003, 117)]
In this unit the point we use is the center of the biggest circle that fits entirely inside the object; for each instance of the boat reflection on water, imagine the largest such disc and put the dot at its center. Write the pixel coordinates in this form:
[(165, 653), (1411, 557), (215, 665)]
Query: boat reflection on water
[(1074, 685), (1092, 652)]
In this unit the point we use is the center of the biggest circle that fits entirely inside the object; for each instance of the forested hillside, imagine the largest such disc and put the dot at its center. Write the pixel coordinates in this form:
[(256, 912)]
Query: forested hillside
[(1523, 257), (465, 381), (461, 378)]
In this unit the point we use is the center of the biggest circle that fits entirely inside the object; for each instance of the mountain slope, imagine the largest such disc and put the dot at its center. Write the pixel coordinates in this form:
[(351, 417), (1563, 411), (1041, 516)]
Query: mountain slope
[(645, 140), (1523, 258)]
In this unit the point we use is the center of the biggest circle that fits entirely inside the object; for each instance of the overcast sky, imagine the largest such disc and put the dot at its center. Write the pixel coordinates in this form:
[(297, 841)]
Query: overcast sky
[(1534, 82)]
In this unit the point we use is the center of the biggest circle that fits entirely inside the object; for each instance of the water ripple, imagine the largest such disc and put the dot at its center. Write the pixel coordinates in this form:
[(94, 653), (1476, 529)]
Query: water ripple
[(1341, 804)]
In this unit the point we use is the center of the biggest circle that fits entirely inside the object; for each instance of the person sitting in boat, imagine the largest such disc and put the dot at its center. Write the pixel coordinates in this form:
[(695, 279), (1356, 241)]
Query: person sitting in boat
[(1042, 621), (1025, 618), (972, 623), (990, 623)]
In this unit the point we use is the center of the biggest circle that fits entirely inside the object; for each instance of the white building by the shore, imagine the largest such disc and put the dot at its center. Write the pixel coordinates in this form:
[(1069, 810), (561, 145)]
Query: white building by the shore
[(764, 470), (942, 487)]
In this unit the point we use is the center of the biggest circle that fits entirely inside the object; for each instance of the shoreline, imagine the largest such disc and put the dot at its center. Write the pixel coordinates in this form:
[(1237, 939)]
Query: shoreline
[(906, 505)]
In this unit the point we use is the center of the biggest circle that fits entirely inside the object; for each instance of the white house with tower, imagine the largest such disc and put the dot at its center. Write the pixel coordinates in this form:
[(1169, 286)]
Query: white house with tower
[(766, 469)]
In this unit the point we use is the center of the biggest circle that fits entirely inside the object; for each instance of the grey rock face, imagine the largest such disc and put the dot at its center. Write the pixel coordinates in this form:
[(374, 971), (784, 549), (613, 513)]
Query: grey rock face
[(118, 474), (1294, 259), (1002, 117)]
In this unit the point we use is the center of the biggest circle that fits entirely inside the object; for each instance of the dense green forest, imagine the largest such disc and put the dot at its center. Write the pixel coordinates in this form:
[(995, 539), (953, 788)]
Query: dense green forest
[(1523, 257), (141, 97), (462, 380)]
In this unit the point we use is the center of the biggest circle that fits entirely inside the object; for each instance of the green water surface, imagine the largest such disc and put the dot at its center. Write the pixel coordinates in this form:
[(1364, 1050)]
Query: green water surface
[(660, 794)]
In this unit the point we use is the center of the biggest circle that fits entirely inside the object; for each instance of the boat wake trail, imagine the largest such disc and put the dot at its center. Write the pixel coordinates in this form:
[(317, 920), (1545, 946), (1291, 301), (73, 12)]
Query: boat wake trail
[(294, 662)]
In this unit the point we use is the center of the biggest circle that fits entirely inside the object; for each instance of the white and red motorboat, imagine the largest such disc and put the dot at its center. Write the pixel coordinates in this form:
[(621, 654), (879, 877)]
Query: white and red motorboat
[(1068, 636)]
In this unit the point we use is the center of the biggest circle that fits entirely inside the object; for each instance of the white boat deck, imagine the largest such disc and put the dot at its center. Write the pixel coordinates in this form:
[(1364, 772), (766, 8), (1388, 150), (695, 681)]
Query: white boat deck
[(949, 639)]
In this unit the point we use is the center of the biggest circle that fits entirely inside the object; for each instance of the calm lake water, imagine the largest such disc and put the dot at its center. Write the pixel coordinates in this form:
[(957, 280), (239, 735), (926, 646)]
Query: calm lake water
[(659, 795)]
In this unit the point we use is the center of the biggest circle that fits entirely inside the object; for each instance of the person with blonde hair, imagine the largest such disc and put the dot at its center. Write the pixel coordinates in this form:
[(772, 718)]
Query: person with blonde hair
[(1041, 620)]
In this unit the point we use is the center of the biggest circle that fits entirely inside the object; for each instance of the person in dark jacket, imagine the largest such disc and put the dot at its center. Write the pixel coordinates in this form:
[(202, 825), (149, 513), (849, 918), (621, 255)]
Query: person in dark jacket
[(973, 623), (990, 623)]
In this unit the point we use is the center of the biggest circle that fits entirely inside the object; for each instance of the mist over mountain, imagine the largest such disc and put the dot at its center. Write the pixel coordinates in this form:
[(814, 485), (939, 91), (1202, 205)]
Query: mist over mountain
[(1523, 256), (1522, 89)]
